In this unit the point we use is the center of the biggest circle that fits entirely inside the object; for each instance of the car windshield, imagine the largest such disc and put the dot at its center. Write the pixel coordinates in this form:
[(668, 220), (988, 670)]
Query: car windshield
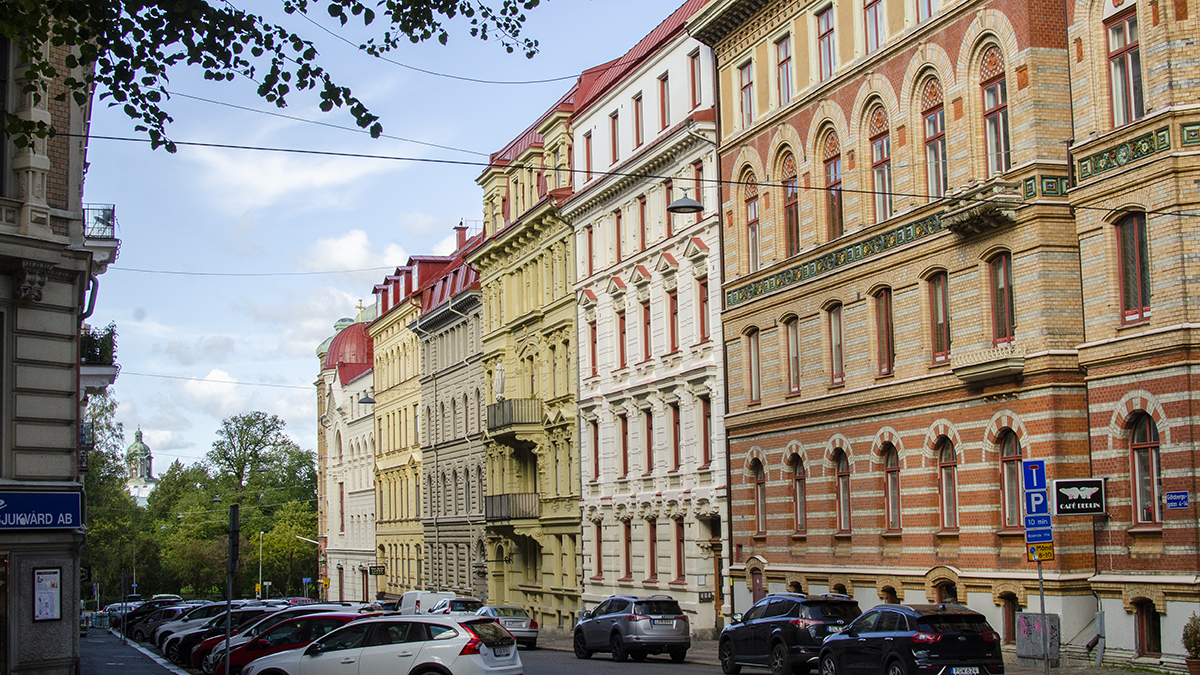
[(656, 607), (465, 605), (509, 611), (831, 611), (953, 623)]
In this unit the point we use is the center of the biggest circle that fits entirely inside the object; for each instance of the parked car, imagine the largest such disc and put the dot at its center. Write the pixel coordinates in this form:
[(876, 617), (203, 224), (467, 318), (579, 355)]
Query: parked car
[(214, 647), (398, 645), (141, 630), (188, 620), (291, 633), (628, 626), (417, 602), (178, 647), (784, 631), (915, 640), (457, 605), (516, 621)]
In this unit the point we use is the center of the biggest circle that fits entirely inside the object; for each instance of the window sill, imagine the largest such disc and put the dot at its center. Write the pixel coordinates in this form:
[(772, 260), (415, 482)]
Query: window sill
[(650, 582), (599, 578), (835, 385), (1137, 323), (625, 580), (678, 582), (799, 536), (886, 376), (759, 536), (1145, 530), (892, 534), (755, 403), (948, 534), (843, 535), (704, 341), (1010, 532)]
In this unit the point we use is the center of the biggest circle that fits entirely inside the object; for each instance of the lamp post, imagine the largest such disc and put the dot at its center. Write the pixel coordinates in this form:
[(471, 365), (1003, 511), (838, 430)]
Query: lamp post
[(260, 534)]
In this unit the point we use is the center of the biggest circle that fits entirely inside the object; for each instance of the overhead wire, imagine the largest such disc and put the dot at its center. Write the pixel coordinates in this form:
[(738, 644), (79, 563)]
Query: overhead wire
[(202, 379)]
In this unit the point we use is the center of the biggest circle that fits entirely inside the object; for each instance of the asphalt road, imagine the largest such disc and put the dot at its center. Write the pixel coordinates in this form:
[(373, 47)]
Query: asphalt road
[(550, 662)]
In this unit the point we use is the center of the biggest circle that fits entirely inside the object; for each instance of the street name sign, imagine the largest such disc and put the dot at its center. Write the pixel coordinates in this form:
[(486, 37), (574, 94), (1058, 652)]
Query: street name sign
[(1177, 500), (1078, 497)]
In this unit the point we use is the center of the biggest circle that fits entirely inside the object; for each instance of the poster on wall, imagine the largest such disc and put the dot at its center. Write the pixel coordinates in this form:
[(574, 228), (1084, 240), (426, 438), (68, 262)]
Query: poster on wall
[(47, 594)]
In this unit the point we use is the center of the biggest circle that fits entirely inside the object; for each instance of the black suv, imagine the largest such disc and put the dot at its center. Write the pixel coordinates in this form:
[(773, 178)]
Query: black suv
[(783, 631), (915, 640)]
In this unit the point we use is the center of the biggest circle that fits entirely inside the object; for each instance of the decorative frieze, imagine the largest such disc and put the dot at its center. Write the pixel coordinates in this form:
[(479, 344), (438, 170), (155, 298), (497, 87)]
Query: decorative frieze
[(1128, 151)]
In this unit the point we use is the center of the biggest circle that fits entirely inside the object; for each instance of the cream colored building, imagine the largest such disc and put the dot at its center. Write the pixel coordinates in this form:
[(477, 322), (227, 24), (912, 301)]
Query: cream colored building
[(532, 503)]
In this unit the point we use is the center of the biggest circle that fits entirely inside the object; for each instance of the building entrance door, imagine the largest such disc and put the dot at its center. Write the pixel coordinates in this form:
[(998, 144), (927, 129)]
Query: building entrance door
[(756, 585)]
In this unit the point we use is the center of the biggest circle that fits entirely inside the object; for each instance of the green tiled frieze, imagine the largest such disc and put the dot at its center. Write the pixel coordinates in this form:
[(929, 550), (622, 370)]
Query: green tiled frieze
[(1124, 153)]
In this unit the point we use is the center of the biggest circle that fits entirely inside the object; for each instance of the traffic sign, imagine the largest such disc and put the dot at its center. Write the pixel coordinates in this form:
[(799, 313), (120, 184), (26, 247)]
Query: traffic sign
[(1034, 473), (1040, 552), (1037, 522), (1036, 503), (306, 580), (1039, 536)]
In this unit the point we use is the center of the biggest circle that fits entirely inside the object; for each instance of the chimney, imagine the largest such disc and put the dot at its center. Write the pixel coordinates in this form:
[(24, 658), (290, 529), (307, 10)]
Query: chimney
[(461, 231)]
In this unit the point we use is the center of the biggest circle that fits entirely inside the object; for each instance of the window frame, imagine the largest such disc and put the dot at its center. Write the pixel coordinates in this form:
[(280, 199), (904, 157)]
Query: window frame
[(1129, 54), (647, 347), (680, 561), (881, 167), (628, 551), (587, 155), (837, 345), (614, 133), (673, 320), (702, 308), (668, 218), (595, 450), (664, 101), (618, 236), (799, 494), (1011, 492), (826, 47), (872, 24), (592, 330), (1141, 267), (885, 332), (706, 432), (939, 299), (639, 121), (746, 93), (792, 345), (624, 423), (648, 442), (835, 224), (841, 463), (676, 437), (926, 10), (652, 552), (995, 121), (891, 489), (695, 75), (760, 496), (783, 69), (937, 171), (753, 249), (791, 215), (1004, 321), (642, 218), (621, 336), (947, 486), (1152, 449), (755, 363)]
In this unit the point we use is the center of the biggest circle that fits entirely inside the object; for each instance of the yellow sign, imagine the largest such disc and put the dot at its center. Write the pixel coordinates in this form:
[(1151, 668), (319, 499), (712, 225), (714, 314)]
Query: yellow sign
[(325, 582), (1042, 552), (258, 589)]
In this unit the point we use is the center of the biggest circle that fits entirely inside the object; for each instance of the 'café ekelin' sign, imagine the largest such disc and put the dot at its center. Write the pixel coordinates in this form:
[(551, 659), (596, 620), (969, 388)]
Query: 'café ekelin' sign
[(39, 510), (1079, 497)]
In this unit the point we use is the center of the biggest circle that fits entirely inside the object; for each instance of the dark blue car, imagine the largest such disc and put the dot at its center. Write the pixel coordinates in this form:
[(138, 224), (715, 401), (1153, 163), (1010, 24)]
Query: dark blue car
[(943, 639)]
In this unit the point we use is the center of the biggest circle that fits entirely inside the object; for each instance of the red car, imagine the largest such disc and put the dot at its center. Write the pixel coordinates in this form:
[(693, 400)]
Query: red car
[(289, 634), (205, 646)]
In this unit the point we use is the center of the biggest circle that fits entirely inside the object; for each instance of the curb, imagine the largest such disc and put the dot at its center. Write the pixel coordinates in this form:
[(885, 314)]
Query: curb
[(153, 657)]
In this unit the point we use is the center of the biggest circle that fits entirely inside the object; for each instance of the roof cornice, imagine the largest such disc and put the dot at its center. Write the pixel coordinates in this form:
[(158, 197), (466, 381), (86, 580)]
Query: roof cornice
[(717, 20)]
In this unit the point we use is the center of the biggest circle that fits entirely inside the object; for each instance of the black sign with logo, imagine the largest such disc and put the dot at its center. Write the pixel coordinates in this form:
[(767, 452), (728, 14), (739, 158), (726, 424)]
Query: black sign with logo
[(377, 570), (1079, 497)]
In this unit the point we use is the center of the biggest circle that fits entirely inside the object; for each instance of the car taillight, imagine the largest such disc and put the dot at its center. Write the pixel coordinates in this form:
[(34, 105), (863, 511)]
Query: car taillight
[(926, 638), (532, 623), (990, 636), (472, 647), (804, 623), (636, 617)]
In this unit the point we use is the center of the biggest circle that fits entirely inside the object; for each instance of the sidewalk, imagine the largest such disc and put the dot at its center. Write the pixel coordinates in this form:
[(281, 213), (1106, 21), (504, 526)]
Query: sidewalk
[(101, 652)]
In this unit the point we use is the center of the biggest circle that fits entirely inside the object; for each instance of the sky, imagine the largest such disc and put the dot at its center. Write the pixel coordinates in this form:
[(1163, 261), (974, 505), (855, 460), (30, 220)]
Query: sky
[(212, 316)]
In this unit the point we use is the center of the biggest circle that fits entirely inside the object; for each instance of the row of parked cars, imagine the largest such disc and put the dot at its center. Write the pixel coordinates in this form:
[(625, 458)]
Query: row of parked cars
[(278, 638)]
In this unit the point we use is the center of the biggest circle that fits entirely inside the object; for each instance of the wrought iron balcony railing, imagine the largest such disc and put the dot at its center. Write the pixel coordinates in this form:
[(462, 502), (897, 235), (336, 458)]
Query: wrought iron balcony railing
[(100, 221), (512, 506), (514, 411)]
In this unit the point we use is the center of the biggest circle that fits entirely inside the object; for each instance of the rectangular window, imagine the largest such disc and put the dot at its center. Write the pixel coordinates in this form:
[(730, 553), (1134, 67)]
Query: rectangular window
[(614, 134), (646, 347), (1125, 69), (598, 573), (694, 77), (825, 45), (937, 172), (885, 332), (676, 441), (995, 117), (833, 196), (698, 181), (791, 215), (595, 451), (1010, 478), (705, 431), (752, 233), (628, 550), (617, 234), (926, 9), (755, 375), (621, 339), (342, 506), (587, 155), (746, 75), (939, 318), (648, 441), (702, 308), (664, 101), (624, 446), (652, 552), (793, 354), (783, 68), (881, 173), (679, 561), (1134, 269), (673, 320), (592, 338), (872, 13), (639, 132), (642, 222), (591, 251), (1004, 319), (837, 363)]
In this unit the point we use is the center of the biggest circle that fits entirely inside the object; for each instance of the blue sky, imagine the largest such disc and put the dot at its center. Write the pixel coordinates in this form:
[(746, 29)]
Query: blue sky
[(234, 212)]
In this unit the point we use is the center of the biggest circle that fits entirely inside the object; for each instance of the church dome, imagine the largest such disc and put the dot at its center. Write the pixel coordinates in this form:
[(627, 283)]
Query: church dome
[(352, 352), (137, 448)]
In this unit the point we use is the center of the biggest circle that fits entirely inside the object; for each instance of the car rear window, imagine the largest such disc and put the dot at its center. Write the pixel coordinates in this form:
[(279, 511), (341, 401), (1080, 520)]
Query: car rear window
[(510, 611), (657, 607), (830, 611), (953, 623), (465, 605), (489, 631)]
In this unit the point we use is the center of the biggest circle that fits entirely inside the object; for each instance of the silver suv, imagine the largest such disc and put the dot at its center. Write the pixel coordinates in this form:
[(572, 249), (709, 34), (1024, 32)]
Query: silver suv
[(631, 627)]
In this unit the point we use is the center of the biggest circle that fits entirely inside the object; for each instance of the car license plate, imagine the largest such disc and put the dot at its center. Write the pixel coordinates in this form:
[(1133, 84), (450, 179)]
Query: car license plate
[(503, 651), (838, 629), (512, 622), (965, 670), (662, 622)]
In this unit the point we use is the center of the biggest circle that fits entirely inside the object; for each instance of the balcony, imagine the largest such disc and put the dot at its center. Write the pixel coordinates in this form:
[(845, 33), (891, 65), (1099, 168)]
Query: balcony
[(512, 506), (1004, 360), (100, 234), (982, 207), (97, 358), (506, 416)]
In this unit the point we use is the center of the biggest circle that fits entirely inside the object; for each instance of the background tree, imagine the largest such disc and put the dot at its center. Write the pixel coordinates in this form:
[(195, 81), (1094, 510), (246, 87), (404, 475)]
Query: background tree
[(126, 49), (286, 559), (111, 510)]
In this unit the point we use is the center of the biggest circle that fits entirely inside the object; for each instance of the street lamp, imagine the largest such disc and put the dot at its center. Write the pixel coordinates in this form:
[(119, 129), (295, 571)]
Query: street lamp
[(260, 534), (685, 204)]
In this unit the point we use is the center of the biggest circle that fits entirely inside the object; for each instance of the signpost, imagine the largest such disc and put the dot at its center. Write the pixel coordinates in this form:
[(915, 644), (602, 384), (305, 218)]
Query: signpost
[(1039, 534)]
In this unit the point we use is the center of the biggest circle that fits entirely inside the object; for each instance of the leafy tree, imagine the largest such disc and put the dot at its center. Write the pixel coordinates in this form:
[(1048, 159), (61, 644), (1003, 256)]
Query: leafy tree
[(111, 511), (286, 559), (173, 487), (126, 49)]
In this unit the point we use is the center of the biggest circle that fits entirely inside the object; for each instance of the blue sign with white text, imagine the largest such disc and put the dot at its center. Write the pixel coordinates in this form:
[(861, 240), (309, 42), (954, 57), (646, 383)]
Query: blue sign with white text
[(1177, 500), (39, 510), (1036, 503), (1034, 471), (1039, 536), (1037, 522), (306, 580)]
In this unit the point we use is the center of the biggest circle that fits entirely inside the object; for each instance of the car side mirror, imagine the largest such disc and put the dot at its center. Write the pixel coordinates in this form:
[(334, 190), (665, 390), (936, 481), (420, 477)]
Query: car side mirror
[(737, 618), (314, 649), (260, 643), (585, 615)]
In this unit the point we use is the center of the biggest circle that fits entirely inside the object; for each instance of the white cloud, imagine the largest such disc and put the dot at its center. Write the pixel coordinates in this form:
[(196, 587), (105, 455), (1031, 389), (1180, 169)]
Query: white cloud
[(215, 394), (446, 246), (303, 320), (352, 251), (163, 440), (208, 349)]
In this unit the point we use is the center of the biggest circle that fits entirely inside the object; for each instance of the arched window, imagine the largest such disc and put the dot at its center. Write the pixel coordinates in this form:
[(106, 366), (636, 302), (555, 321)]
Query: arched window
[(798, 493), (881, 164), (760, 497), (891, 485), (832, 154), (1010, 479), (792, 335), (1134, 268), (947, 484), (754, 362), (1147, 476), (937, 174), (791, 206), (1004, 319), (750, 183), (995, 111), (842, 467)]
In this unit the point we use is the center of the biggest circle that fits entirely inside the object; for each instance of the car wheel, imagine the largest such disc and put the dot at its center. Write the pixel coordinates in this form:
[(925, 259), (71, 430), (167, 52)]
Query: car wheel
[(828, 667), (171, 651), (637, 656), (779, 660), (581, 650), (617, 647), (896, 667), (729, 664), (678, 655)]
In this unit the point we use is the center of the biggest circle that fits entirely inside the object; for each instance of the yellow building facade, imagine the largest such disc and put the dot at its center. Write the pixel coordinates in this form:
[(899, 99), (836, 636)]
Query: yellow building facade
[(532, 500)]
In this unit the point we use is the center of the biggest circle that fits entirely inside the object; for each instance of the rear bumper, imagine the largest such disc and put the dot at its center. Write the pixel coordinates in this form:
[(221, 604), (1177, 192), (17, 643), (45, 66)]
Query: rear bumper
[(663, 642)]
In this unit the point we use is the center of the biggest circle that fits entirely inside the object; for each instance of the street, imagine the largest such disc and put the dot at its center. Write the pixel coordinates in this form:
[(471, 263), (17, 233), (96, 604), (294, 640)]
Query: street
[(550, 662)]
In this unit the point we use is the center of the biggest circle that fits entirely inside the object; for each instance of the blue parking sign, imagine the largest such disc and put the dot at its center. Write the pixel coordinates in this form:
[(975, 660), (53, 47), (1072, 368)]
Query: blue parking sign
[(1036, 503), (1034, 471)]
